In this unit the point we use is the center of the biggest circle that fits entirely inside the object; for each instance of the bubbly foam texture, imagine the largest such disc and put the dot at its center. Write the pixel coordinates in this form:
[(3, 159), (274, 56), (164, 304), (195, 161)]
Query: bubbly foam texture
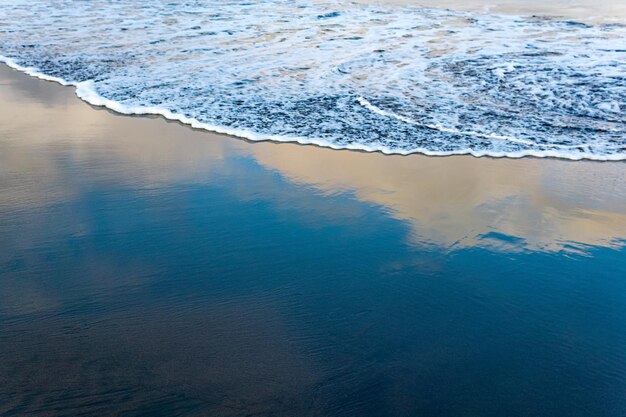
[(343, 75)]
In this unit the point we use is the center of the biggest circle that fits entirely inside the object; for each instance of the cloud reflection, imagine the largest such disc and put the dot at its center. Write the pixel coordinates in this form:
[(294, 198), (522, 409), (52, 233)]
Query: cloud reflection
[(526, 204), (549, 205)]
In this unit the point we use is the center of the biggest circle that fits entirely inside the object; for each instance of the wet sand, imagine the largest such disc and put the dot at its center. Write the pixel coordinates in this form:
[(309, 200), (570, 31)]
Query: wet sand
[(549, 203), (149, 268)]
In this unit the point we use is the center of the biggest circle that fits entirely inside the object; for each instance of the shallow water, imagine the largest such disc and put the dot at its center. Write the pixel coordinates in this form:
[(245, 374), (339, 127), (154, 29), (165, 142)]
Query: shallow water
[(343, 75), (149, 269)]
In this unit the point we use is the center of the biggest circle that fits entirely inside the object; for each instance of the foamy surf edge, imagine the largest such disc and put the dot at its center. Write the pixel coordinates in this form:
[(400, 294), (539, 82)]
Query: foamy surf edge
[(86, 91)]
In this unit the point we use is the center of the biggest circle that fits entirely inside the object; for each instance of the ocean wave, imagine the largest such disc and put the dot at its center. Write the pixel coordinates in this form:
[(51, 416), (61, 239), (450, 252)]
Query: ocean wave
[(345, 76)]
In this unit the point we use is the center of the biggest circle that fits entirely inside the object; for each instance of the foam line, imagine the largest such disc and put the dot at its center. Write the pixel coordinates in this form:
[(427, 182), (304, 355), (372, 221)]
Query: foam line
[(85, 91), (386, 113), (302, 71), (404, 119)]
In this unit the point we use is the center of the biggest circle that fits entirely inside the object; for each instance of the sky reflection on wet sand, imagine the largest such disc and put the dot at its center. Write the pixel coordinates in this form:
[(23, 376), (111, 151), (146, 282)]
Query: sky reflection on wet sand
[(150, 268)]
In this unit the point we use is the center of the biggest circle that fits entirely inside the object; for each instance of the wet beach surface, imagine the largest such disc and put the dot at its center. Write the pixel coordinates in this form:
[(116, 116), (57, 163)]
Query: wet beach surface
[(147, 269)]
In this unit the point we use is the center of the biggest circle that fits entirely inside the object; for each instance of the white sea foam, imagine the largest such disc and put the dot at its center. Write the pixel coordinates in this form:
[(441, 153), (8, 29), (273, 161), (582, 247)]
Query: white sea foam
[(33, 72), (346, 76)]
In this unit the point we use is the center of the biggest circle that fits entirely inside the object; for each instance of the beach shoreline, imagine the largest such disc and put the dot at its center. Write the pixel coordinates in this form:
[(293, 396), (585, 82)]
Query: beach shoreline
[(352, 171), (152, 268), (86, 92)]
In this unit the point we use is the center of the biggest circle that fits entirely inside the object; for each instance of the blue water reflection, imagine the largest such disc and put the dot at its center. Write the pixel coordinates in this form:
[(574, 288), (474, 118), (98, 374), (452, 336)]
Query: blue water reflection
[(147, 269)]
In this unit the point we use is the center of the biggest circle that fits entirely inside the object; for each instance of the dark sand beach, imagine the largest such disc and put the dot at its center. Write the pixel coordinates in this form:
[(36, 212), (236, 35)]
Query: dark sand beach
[(151, 269)]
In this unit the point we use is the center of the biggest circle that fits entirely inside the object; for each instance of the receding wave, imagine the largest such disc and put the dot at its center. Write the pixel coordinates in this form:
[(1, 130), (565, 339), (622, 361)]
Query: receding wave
[(343, 75)]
